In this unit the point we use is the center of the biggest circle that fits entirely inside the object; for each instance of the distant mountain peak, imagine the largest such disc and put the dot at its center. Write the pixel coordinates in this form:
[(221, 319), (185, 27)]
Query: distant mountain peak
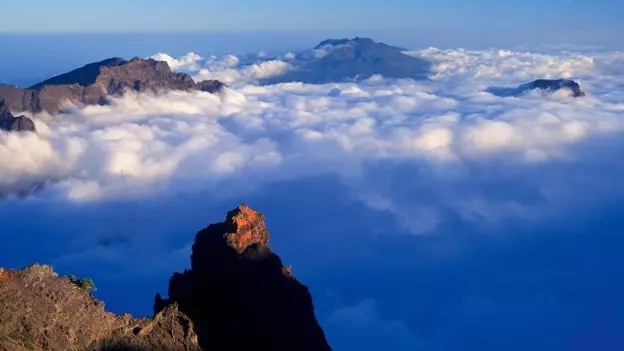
[(545, 85), (345, 41), (336, 60), (357, 41)]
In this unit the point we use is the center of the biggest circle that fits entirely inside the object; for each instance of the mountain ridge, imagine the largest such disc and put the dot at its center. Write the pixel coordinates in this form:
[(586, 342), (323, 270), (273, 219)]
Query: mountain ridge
[(93, 83), (337, 60)]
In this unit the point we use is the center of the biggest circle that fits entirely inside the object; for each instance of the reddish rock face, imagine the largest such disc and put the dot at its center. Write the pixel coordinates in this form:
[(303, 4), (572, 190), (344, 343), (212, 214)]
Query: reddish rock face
[(249, 229), (237, 283)]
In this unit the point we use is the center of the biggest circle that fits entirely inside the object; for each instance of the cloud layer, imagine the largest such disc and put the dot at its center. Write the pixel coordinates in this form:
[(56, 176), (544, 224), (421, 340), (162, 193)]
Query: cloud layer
[(434, 214)]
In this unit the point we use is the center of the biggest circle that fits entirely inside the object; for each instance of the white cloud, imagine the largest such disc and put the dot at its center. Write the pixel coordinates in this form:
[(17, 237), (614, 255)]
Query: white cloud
[(142, 144), (188, 62)]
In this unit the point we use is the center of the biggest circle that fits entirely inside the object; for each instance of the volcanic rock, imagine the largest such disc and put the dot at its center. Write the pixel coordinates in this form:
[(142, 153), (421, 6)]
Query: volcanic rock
[(237, 296), (546, 85), (337, 60), (40, 310), (10, 123), (240, 295), (93, 83)]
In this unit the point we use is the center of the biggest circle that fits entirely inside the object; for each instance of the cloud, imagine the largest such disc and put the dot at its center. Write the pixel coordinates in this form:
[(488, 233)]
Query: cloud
[(188, 62), (433, 214), (229, 69)]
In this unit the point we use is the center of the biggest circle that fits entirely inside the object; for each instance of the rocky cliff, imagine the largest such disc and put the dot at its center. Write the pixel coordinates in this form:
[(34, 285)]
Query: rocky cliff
[(10, 123), (92, 83), (236, 296)]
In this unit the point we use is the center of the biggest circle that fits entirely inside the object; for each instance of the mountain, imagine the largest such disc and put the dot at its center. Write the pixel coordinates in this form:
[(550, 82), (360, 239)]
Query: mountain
[(546, 85), (10, 123), (93, 83), (337, 60), (237, 295)]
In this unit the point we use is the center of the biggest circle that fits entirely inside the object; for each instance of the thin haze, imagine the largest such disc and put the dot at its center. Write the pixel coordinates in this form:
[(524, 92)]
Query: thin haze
[(192, 15)]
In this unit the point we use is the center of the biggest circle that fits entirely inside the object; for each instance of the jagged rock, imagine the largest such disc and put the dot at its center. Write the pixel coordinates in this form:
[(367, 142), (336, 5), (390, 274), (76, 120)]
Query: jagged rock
[(11, 123), (40, 310), (240, 295), (547, 85), (92, 83), (236, 296)]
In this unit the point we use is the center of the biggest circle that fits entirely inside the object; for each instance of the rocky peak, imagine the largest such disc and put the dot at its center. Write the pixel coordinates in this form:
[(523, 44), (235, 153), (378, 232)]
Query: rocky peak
[(248, 228), (546, 85), (338, 60), (346, 41), (83, 76), (10, 123), (236, 296), (92, 84), (552, 85), (237, 283)]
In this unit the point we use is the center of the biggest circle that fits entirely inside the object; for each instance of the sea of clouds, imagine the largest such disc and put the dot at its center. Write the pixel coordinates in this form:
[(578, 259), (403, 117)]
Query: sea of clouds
[(422, 214)]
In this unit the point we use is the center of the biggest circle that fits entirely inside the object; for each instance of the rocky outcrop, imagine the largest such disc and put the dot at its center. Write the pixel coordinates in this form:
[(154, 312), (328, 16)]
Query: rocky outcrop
[(240, 295), (552, 85), (546, 85), (93, 83), (236, 296), (10, 123), (40, 310)]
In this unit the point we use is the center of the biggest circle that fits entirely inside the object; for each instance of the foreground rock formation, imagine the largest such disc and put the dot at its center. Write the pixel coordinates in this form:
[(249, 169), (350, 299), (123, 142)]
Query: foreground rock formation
[(10, 123), (40, 310), (91, 84), (236, 296)]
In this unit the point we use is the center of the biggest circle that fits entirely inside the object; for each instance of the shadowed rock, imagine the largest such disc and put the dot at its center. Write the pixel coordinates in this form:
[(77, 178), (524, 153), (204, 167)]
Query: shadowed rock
[(239, 294), (546, 85), (10, 123), (236, 296), (93, 83)]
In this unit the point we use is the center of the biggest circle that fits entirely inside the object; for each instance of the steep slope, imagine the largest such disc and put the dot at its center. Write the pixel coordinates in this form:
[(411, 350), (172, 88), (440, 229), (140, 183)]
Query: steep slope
[(40, 310), (10, 123), (236, 285), (93, 83), (236, 296), (83, 76)]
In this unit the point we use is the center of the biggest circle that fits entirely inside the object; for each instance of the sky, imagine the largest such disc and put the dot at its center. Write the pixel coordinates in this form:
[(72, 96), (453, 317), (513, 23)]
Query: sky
[(43, 16)]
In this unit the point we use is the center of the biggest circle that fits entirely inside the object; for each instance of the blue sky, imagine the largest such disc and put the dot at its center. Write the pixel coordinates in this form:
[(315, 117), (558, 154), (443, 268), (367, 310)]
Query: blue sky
[(196, 15)]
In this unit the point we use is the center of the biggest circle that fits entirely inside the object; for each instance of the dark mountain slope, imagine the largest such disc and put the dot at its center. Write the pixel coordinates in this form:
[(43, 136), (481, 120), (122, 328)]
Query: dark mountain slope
[(236, 297)]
